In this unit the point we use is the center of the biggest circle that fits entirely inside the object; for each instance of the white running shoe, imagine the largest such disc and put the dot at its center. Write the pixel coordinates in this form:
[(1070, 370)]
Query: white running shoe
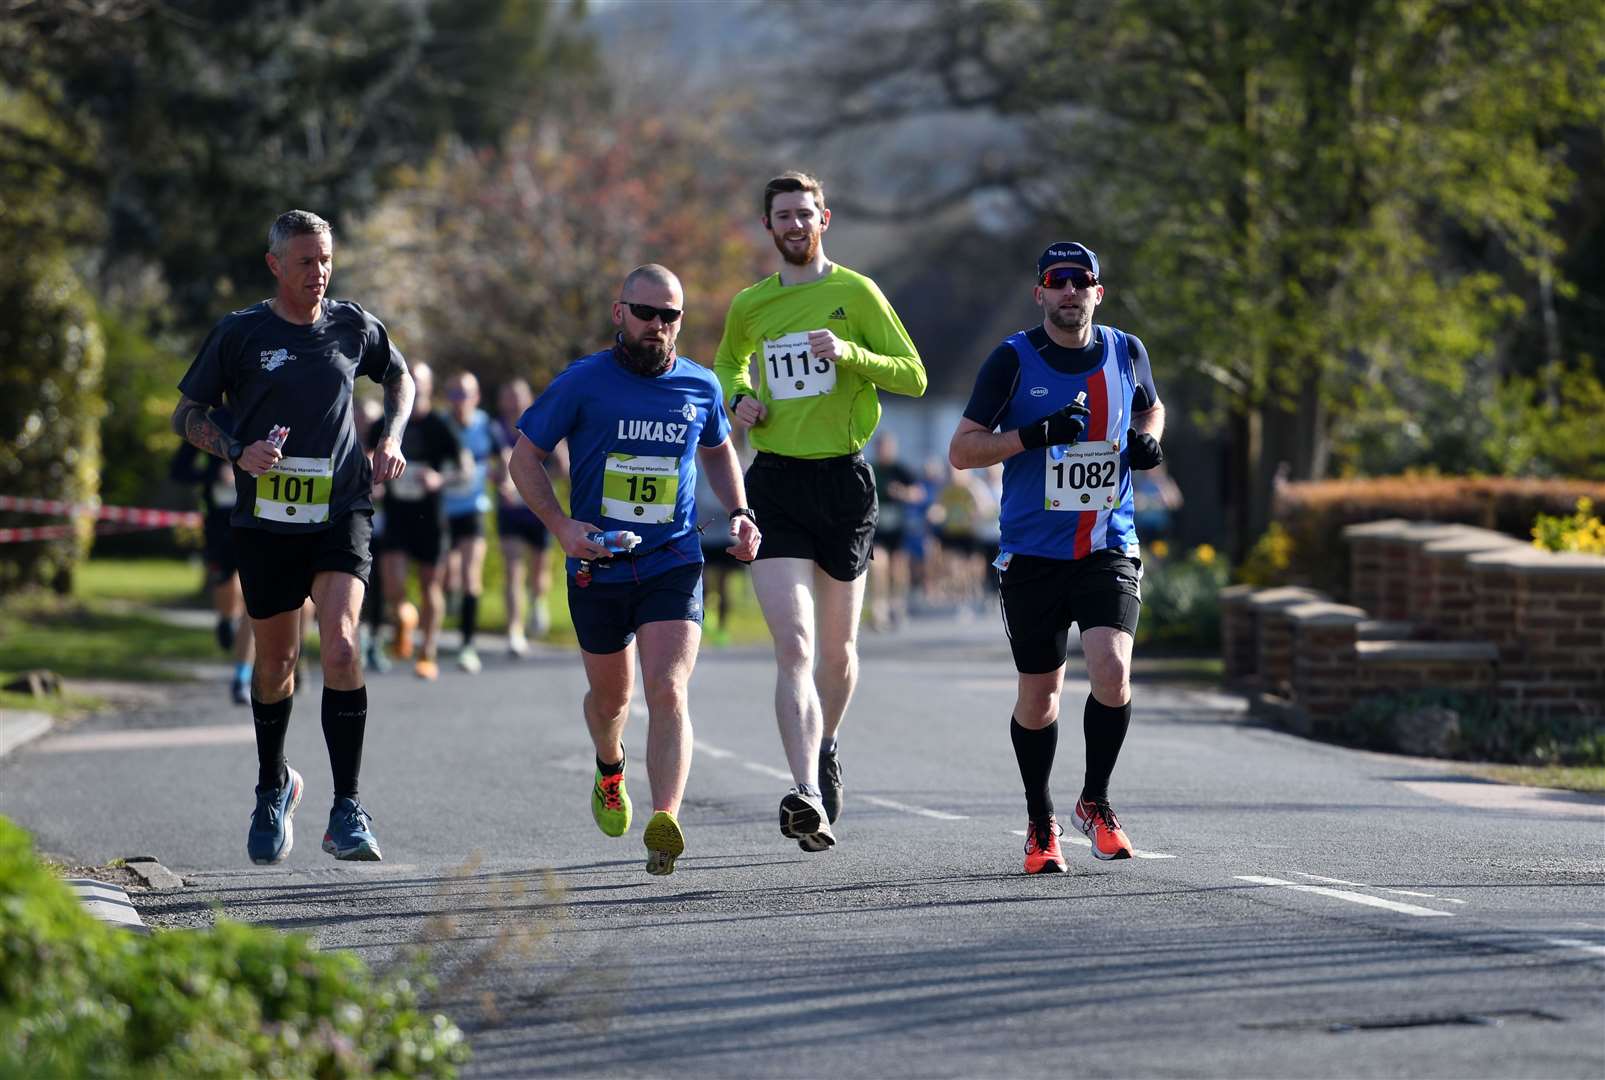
[(468, 660), (517, 643)]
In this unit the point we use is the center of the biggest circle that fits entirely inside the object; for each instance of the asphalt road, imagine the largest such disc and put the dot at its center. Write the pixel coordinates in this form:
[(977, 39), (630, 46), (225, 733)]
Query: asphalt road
[(1298, 909)]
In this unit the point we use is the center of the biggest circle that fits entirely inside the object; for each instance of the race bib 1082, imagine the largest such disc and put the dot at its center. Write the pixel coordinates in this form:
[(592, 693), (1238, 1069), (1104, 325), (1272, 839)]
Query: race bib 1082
[(1085, 476)]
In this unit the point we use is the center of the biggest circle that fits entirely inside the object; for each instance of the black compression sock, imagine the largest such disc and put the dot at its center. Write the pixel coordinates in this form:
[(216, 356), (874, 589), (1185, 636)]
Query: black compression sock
[(470, 618), (345, 721), (1034, 750), (272, 722), (610, 770), (1105, 727)]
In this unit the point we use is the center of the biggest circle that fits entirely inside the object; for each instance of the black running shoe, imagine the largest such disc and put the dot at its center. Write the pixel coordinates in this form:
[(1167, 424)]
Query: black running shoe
[(830, 783)]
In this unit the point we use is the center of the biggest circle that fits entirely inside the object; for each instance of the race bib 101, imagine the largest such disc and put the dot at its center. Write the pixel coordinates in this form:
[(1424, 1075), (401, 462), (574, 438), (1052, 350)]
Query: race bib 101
[(1085, 476), (296, 491), (640, 489), (792, 372)]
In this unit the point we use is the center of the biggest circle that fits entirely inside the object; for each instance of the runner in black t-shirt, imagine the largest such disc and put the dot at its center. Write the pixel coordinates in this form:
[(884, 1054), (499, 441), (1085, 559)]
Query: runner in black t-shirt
[(303, 515), (415, 523)]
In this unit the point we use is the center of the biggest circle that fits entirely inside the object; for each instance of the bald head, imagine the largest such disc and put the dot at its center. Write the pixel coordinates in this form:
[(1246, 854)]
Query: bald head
[(652, 276)]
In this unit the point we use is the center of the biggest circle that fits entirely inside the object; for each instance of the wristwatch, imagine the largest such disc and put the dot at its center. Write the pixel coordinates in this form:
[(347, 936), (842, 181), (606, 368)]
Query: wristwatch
[(737, 401), (235, 449), (746, 512)]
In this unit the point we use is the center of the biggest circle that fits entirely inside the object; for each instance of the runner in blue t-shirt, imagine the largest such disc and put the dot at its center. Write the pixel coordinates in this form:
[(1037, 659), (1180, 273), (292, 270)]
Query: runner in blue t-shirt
[(1070, 409), (638, 419), (467, 503)]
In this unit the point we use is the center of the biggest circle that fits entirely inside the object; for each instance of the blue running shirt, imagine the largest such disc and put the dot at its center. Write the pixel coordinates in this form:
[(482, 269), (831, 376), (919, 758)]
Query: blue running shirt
[(1068, 502), (632, 454)]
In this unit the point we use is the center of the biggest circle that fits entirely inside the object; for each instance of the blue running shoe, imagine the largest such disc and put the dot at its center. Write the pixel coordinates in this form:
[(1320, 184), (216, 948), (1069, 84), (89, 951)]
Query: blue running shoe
[(272, 832), (349, 836)]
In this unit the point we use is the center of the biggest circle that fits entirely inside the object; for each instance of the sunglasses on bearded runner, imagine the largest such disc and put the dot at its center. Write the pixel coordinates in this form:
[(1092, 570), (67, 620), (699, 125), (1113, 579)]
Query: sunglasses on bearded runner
[(1060, 276), (646, 312)]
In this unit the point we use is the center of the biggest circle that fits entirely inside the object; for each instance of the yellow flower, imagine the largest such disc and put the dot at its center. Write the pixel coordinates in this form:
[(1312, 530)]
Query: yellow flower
[(1205, 554), (1159, 549)]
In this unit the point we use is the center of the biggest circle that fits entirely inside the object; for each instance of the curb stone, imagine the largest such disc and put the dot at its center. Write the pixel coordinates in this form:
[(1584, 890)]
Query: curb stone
[(108, 903), (19, 726)]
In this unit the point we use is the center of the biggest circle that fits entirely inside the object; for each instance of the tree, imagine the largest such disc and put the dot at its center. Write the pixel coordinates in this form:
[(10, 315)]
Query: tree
[(506, 262), (1307, 202)]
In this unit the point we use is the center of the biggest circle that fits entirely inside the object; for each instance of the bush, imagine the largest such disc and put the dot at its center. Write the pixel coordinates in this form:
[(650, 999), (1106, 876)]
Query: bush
[(1484, 731), (1180, 597), (1313, 514), (50, 408), (1578, 531), (79, 998)]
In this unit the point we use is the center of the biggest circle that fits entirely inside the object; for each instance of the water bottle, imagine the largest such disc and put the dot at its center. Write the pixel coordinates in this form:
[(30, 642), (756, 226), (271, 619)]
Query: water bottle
[(617, 541)]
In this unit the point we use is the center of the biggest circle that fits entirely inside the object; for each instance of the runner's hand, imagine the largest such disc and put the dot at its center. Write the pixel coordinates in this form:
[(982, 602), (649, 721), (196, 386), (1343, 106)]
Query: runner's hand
[(747, 538), (388, 462), (1143, 449), (1059, 428), (749, 411), (260, 457), (824, 345), (572, 535)]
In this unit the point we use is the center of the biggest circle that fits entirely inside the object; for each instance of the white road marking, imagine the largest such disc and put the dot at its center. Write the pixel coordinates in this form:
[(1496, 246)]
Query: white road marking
[(1351, 897), (712, 751), (892, 804), (148, 739), (778, 774), (1084, 842), (1379, 888), (1573, 943)]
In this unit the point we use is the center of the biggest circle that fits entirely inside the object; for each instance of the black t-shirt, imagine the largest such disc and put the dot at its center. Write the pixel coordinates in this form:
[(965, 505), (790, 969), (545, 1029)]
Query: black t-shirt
[(893, 510), (1000, 375), (429, 440), (274, 372)]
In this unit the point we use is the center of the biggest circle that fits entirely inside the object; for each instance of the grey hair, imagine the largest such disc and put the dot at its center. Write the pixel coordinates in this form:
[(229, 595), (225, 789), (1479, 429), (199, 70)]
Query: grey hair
[(293, 223), (658, 275)]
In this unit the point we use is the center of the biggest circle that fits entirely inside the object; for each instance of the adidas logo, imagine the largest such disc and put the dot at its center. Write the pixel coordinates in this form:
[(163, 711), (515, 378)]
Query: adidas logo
[(839, 313)]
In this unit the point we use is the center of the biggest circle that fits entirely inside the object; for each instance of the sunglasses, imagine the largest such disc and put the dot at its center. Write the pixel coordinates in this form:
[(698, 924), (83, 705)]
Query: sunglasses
[(1060, 276), (646, 312)]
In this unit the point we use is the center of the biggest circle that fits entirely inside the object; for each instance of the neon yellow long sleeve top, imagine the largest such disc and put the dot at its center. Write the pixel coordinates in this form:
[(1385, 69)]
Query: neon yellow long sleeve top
[(877, 355)]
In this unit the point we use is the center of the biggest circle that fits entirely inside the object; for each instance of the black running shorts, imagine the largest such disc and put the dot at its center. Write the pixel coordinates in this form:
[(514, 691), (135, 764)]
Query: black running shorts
[(465, 527), (417, 529), (1041, 598), (820, 509), (607, 615), (217, 534), (276, 569)]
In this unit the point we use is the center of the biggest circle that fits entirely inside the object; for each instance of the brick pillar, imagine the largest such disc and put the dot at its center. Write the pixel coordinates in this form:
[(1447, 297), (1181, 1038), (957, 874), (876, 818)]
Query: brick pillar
[(1446, 600), (1323, 656), (1367, 560), (1275, 634), (1239, 646)]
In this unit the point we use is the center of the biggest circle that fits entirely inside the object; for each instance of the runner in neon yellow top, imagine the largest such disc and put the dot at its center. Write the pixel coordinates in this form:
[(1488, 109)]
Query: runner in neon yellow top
[(825, 342), (816, 407)]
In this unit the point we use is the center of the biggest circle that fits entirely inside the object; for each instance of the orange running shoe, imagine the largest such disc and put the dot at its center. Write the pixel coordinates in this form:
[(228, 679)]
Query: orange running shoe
[(1096, 818), (1042, 854), (406, 623), (427, 669)]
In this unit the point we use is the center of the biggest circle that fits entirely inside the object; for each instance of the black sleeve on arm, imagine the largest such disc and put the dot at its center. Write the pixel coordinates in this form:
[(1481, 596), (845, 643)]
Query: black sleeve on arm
[(204, 381), (1147, 395), (378, 355), (994, 386)]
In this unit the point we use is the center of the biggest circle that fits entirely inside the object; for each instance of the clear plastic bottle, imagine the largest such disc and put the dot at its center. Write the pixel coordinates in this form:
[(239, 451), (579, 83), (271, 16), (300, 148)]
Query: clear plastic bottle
[(617, 541)]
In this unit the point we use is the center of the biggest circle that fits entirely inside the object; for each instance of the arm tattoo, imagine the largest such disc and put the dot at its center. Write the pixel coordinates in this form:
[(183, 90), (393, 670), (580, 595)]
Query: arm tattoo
[(192, 420), (398, 401)]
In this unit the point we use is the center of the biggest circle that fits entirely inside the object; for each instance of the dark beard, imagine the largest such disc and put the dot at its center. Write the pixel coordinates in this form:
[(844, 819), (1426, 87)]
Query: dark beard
[(644, 359), (795, 260), (1072, 320)]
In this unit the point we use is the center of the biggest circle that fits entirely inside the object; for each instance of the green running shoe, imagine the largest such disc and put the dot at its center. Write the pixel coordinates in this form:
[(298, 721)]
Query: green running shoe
[(664, 843), (610, 803)]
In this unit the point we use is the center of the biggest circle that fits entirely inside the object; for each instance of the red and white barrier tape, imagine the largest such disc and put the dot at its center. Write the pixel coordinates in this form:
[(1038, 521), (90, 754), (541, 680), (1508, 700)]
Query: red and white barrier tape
[(138, 517)]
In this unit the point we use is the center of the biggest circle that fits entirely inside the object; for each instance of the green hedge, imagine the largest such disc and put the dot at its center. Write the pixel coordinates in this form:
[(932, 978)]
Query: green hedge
[(82, 999)]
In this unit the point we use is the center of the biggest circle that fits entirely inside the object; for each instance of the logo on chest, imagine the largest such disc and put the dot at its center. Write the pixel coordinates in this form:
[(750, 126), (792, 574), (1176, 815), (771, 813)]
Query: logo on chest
[(653, 431), (273, 359)]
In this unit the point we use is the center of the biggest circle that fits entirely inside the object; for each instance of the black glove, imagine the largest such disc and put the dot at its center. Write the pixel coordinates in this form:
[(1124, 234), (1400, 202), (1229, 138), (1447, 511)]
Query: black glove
[(1061, 428), (1143, 449)]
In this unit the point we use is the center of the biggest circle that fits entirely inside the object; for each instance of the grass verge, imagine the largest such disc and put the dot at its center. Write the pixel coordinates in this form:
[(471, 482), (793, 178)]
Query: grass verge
[(1585, 778)]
